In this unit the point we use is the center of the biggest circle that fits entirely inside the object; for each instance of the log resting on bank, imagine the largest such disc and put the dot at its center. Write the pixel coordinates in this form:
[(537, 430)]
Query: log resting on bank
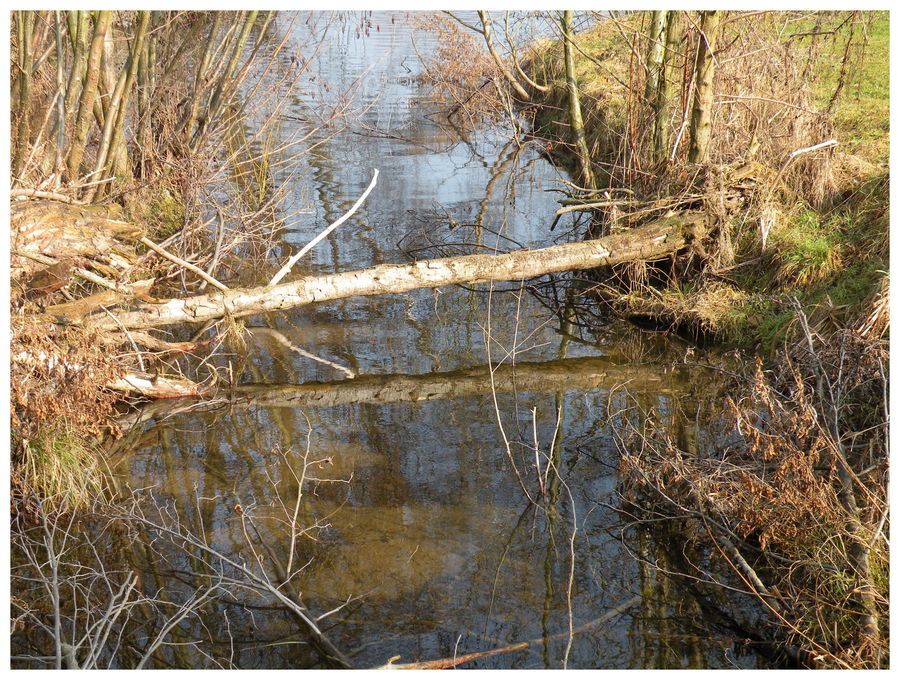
[(649, 242)]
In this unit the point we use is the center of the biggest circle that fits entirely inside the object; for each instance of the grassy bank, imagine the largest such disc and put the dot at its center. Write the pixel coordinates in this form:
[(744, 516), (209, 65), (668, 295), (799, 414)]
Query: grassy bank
[(827, 243)]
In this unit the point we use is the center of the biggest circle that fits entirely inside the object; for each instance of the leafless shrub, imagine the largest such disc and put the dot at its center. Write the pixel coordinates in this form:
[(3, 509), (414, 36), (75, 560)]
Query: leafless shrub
[(780, 504), (78, 604), (463, 78)]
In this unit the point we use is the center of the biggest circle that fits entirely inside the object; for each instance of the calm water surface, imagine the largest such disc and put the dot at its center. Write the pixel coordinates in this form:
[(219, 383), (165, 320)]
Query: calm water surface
[(428, 537)]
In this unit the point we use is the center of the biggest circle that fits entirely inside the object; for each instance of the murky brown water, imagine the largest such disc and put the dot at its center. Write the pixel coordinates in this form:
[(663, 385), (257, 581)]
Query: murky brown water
[(429, 534)]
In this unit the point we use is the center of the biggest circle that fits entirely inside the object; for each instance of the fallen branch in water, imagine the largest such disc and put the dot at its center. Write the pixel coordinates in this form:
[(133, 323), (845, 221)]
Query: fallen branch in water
[(158, 386), (652, 241), (454, 661), (334, 225)]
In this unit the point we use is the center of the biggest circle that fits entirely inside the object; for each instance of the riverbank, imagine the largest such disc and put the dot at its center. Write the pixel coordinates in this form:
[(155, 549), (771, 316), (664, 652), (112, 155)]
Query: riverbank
[(825, 214), (797, 274)]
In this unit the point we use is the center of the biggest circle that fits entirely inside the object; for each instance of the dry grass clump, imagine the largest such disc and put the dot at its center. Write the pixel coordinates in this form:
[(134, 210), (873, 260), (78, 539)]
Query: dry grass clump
[(875, 320), (58, 406), (700, 311)]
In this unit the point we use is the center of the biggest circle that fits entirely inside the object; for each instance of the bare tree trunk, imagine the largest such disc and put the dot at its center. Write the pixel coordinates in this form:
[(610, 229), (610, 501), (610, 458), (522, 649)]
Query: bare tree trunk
[(187, 124), (704, 90), (55, 153), (144, 87), (655, 51), (575, 120), (113, 133), (79, 25), (662, 103), (24, 27), (88, 94), (648, 242), (225, 82)]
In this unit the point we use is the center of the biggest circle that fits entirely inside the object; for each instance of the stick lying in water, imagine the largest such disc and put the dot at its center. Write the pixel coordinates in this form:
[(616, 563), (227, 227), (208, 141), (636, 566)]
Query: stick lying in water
[(452, 662), (330, 228)]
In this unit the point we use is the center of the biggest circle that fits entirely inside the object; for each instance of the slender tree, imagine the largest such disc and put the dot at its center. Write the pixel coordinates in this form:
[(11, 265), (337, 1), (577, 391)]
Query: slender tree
[(88, 93), (226, 83), (24, 28), (704, 90), (665, 89), (190, 117), (575, 120), (510, 78), (655, 53), (112, 143)]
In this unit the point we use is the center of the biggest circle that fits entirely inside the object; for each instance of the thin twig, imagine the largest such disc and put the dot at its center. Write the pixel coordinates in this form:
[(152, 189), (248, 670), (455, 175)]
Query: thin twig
[(182, 263)]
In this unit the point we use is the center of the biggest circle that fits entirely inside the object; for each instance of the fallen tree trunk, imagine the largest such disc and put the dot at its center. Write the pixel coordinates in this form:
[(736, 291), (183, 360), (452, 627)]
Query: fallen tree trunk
[(651, 241), (49, 229)]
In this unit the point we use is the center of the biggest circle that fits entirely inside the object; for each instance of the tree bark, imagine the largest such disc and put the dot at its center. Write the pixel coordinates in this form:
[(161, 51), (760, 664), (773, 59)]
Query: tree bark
[(88, 94), (665, 91), (575, 120), (24, 26), (648, 242), (655, 52), (226, 83), (704, 90), (112, 141), (190, 117), (79, 24)]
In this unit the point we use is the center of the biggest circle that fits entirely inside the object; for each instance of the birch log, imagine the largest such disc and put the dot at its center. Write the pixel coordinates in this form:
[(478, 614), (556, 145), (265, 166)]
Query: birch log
[(651, 241)]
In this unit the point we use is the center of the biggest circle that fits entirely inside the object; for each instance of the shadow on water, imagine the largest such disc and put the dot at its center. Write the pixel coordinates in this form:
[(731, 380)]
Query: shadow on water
[(424, 537)]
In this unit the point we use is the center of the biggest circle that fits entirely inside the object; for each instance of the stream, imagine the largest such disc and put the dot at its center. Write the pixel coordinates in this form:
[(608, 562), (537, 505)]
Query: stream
[(421, 535)]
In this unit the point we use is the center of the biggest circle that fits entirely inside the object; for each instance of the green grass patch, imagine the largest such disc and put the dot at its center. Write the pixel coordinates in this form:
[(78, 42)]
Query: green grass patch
[(861, 113), (833, 261), (806, 251)]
